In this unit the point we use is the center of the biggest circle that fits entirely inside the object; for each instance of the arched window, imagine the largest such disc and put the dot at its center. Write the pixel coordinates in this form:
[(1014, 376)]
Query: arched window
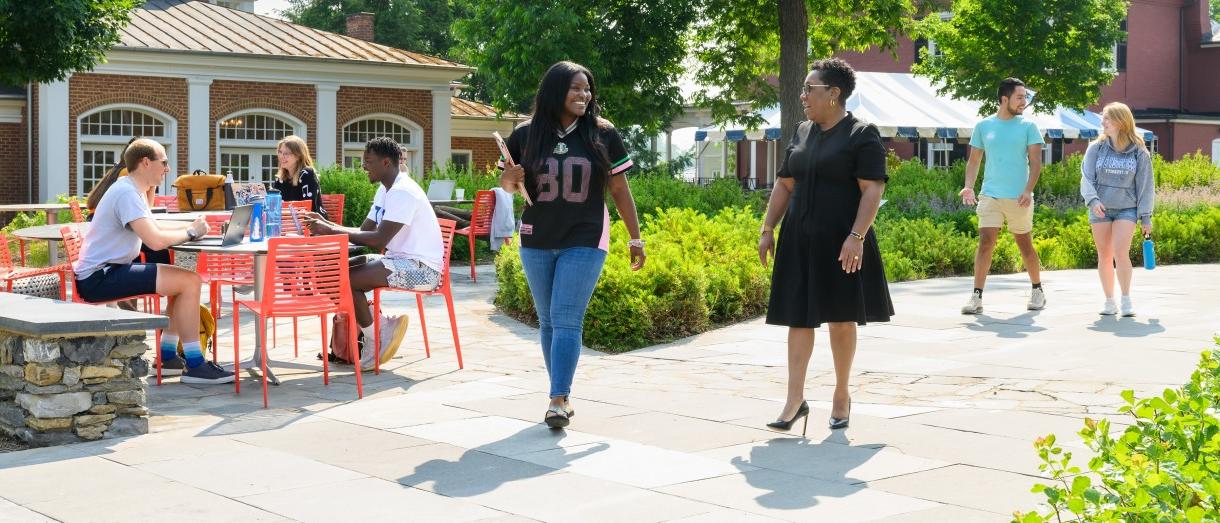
[(406, 133), (246, 142), (104, 132)]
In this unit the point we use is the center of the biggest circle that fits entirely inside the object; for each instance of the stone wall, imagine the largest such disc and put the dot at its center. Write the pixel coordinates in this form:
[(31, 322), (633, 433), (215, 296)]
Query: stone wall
[(55, 391)]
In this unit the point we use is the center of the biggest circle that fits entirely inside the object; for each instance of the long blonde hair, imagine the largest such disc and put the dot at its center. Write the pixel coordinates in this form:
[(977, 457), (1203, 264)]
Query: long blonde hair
[(300, 149), (1120, 115)]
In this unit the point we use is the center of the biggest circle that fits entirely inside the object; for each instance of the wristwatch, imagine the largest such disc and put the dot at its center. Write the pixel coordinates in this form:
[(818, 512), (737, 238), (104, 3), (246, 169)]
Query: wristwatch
[(635, 242), (190, 234)]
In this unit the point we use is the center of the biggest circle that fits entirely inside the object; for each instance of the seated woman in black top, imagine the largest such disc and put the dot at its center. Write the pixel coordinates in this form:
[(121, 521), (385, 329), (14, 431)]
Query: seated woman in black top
[(296, 180)]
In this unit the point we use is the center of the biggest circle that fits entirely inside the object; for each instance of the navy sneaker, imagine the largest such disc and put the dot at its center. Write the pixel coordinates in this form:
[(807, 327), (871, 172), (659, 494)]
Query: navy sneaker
[(174, 367), (208, 373)]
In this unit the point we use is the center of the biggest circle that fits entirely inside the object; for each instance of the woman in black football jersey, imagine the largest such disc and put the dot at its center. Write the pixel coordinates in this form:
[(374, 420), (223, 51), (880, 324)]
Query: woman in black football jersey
[(570, 158)]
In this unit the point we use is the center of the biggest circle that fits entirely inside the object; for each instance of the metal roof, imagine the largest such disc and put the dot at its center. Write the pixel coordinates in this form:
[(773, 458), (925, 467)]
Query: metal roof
[(462, 108), (201, 27)]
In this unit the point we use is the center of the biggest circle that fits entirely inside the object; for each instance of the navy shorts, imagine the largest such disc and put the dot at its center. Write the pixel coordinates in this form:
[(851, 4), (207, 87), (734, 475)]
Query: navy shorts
[(116, 281)]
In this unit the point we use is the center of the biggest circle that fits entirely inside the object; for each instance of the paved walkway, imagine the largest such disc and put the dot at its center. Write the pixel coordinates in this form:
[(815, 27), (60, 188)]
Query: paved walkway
[(946, 407)]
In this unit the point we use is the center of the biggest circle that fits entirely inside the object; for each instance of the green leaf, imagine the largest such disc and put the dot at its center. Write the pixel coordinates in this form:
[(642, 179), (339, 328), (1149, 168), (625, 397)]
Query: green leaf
[(1128, 396), (1079, 484)]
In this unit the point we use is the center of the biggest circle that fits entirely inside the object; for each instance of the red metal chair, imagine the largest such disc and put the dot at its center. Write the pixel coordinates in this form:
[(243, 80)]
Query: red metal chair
[(72, 245), (333, 203), (10, 273), (444, 289), (77, 215), (305, 277), (480, 223), (218, 269), (169, 202)]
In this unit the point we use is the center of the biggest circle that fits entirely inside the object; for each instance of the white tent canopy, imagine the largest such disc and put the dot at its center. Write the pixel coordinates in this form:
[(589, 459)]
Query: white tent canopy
[(906, 106)]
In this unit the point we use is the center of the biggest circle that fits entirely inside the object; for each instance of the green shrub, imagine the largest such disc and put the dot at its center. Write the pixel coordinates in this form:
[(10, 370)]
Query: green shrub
[(1164, 467), (701, 270), (358, 191)]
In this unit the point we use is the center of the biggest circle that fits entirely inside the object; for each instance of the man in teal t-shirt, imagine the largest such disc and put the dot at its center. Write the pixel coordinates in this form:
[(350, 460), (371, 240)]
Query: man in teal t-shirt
[(1012, 147)]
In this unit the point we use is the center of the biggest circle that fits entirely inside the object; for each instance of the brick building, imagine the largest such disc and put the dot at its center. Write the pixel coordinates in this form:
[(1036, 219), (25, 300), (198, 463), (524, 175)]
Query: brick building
[(218, 87), (1166, 74)]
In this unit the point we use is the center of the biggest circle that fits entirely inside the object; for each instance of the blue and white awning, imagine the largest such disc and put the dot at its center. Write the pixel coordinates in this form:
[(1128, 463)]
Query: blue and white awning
[(905, 106)]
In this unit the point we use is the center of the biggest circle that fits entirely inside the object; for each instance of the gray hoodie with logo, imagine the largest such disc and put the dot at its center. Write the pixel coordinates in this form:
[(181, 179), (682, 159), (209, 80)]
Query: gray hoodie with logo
[(1118, 180)]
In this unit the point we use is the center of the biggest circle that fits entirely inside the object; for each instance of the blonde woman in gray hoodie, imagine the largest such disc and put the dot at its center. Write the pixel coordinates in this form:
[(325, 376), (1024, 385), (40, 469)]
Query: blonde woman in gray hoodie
[(1117, 186)]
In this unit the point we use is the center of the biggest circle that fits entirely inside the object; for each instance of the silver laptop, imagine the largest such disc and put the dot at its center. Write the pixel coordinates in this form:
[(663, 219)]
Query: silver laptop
[(441, 190), (239, 223)]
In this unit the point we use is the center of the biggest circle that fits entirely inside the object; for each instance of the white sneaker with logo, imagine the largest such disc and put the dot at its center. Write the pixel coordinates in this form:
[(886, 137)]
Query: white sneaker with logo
[(1110, 308), (974, 306), (1037, 300), (1127, 308)]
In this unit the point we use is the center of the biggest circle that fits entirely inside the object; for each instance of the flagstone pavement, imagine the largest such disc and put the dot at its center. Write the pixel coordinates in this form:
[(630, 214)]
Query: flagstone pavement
[(945, 409)]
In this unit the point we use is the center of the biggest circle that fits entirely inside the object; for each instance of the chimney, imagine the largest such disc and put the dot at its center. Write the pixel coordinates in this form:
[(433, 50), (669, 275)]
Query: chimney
[(360, 25)]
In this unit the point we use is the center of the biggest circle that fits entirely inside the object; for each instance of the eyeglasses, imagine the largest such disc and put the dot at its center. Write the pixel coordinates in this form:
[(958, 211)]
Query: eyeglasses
[(809, 87)]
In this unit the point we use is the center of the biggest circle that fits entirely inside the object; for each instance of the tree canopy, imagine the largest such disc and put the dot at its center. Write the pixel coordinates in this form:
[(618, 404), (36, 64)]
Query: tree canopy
[(742, 49), (1062, 49), (421, 26), (45, 40), (634, 50)]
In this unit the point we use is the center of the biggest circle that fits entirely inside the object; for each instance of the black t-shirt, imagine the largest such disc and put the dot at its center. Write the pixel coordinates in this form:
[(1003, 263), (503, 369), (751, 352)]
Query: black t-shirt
[(308, 189), (568, 191)]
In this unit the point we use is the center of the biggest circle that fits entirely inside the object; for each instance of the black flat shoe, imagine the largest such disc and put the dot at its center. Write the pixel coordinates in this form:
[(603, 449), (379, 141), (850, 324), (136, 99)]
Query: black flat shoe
[(841, 423), (802, 412)]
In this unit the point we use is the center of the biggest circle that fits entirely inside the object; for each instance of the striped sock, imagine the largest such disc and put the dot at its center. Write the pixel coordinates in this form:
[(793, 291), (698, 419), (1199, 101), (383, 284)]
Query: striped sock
[(169, 347), (194, 354)]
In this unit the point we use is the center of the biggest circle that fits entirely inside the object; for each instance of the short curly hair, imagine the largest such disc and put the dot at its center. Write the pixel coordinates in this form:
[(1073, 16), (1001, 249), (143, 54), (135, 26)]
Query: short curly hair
[(836, 72), (384, 147)]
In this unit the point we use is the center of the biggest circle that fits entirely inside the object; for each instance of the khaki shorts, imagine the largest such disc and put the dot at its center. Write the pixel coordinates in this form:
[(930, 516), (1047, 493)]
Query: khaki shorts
[(993, 212)]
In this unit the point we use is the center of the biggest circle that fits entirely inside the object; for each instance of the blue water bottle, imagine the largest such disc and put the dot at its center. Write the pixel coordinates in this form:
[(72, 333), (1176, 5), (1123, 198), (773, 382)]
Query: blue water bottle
[(1149, 253), (275, 217), (258, 223)]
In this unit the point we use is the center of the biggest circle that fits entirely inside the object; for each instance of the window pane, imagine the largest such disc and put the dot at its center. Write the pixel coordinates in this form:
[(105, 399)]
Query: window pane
[(257, 127), (123, 122), (365, 130)]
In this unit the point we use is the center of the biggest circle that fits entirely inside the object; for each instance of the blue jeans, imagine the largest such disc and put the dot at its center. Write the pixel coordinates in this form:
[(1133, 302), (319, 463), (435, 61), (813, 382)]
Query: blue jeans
[(562, 281)]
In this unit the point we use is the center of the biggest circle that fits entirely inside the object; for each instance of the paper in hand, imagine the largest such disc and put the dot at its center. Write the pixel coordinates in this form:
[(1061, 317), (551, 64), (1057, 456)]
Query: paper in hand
[(509, 158)]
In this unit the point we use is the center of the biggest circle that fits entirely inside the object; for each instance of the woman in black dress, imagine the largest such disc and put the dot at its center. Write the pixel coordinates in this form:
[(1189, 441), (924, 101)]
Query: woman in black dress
[(296, 180), (828, 268)]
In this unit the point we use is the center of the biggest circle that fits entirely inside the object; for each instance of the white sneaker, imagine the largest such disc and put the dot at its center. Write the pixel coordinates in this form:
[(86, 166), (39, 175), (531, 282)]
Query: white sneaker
[(1037, 300), (974, 306), (1109, 309), (392, 331), (1128, 309)]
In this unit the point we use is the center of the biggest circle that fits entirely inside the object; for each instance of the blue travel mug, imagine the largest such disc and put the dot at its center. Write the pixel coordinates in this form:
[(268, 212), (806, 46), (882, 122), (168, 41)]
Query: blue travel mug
[(258, 226), (1149, 253)]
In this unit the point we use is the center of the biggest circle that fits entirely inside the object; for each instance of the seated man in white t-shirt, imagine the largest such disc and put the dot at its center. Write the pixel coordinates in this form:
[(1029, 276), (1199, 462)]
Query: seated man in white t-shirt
[(105, 272), (402, 223)]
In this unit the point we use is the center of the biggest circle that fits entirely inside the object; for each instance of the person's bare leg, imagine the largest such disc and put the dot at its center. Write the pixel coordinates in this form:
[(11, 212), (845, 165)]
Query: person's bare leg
[(364, 278), (1029, 256), (1105, 257), (800, 348), (982, 256), (843, 348), (1121, 240), (182, 287)]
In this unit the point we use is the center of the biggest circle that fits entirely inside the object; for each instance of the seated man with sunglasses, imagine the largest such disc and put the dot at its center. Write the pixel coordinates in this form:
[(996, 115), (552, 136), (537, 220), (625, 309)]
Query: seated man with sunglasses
[(105, 272)]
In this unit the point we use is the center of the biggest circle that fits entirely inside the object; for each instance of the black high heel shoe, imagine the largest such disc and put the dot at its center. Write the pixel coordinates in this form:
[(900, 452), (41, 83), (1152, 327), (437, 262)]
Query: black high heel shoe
[(841, 423), (802, 412)]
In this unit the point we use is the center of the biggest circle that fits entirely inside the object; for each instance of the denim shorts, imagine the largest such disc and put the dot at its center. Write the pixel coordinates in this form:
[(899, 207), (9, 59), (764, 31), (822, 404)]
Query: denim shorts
[(116, 281), (1128, 214)]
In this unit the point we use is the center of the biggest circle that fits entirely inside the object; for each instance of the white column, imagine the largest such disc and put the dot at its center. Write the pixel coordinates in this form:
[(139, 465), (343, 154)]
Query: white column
[(669, 145), (441, 127), (199, 123), (53, 153), (328, 126), (754, 161)]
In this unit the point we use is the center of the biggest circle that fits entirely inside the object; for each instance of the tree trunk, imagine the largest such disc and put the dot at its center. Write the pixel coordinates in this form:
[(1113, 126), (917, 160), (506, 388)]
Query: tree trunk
[(793, 64)]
